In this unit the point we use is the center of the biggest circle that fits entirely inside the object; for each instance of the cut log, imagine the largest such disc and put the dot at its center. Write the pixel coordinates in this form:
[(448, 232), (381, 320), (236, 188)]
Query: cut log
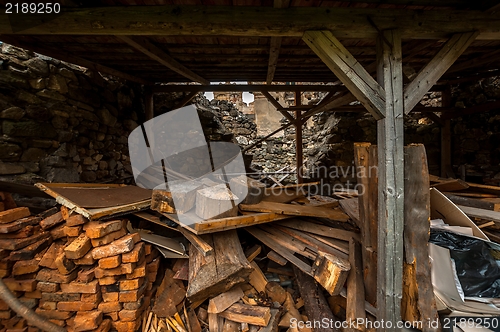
[(219, 272), (244, 313), (252, 190), (178, 197), (223, 301), (296, 210), (330, 272), (216, 202)]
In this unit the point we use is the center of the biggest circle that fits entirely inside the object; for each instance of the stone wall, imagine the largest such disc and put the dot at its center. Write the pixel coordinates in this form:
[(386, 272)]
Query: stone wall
[(63, 123)]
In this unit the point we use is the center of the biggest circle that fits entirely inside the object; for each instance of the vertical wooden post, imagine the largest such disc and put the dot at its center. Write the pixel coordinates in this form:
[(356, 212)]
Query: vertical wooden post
[(149, 107), (298, 139), (390, 180), (446, 170)]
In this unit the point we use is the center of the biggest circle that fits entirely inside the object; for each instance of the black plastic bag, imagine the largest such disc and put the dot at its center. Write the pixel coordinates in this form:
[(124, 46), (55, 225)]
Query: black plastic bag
[(477, 270)]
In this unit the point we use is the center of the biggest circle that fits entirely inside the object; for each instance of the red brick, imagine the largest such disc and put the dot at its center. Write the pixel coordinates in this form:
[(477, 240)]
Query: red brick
[(25, 267), (86, 274), (120, 326), (36, 294), (135, 255), (47, 305), (63, 264), (57, 232), (105, 326), (76, 220), (20, 285), (60, 297), (95, 298), (113, 315), (139, 271), (51, 221), (110, 262), (47, 287), (48, 259), (58, 322), (104, 281), (87, 321), (72, 231), (78, 287), (107, 307), (54, 314), (126, 285), (85, 260), (110, 297), (78, 248), (76, 306), (120, 246), (122, 269), (14, 214), (54, 276), (107, 239), (133, 295), (129, 315), (96, 229), (7, 314)]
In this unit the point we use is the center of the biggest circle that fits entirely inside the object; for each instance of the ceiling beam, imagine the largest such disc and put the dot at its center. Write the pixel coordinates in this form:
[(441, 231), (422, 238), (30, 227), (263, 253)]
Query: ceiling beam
[(246, 87), (432, 72), (67, 57), (143, 45), (247, 21), (359, 82), (275, 45), (478, 61)]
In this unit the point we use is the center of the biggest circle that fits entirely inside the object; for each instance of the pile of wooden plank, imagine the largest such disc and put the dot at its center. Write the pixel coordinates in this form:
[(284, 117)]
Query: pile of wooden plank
[(79, 274)]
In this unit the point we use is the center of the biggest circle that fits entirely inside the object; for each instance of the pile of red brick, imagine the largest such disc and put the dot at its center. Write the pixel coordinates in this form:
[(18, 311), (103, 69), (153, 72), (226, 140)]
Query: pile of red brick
[(82, 275)]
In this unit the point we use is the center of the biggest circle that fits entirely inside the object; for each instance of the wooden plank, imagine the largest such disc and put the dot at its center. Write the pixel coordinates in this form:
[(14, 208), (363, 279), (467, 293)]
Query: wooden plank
[(432, 72), (143, 45), (348, 70), (217, 225), (197, 242), (274, 51), (257, 279), (272, 255), (223, 301), (296, 210), (316, 307), (253, 252), (418, 304), (186, 20), (480, 213), (330, 272), (219, 272), (71, 58), (351, 207), (319, 229), (355, 307), (286, 194), (278, 106), (473, 202), (244, 313), (285, 253), (390, 179)]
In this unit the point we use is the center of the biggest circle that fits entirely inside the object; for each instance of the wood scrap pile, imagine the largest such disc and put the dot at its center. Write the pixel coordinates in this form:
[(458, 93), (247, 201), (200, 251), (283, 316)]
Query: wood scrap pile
[(480, 202)]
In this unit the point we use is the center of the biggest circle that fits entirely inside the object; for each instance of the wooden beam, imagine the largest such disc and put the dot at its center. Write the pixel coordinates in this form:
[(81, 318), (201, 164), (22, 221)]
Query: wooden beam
[(348, 70), (278, 106), (274, 51), (143, 45), (446, 169), (149, 105), (390, 179), (175, 20), (68, 57), (299, 155), (477, 61), (430, 73), (246, 87)]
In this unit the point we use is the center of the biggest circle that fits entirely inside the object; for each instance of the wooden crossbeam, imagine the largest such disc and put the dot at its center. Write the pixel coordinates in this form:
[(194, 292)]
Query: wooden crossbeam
[(179, 20), (247, 87), (143, 45), (67, 57), (278, 106), (274, 51), (429, 75), (348, 70)]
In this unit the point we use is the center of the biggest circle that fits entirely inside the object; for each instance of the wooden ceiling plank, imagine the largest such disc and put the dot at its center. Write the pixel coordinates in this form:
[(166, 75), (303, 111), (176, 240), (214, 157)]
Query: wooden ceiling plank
[(67, 57), (432, 72), (256, 21), (148, 48), (484, 59), (274, 51), (247, 87), (359, 82)]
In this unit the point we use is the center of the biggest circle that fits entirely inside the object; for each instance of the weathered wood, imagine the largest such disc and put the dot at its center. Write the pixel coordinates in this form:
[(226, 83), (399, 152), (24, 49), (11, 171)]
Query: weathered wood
[(18, 224), (216, 202), (275, 257), (11, 215), (296, 210), (418, 304), (366, 162), (223, 301), (429, 74), (319, 229), (315, 303), (351, 207), (355, 307), (243, 186), (391, 180), (481, 213), (286, 194), (143, 45), (253, 252), (330, 272), (348, 70), (197, 242), (219, 272), (227, 20), (257, 278), (475, 203), (179, 197), (244, 313)]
